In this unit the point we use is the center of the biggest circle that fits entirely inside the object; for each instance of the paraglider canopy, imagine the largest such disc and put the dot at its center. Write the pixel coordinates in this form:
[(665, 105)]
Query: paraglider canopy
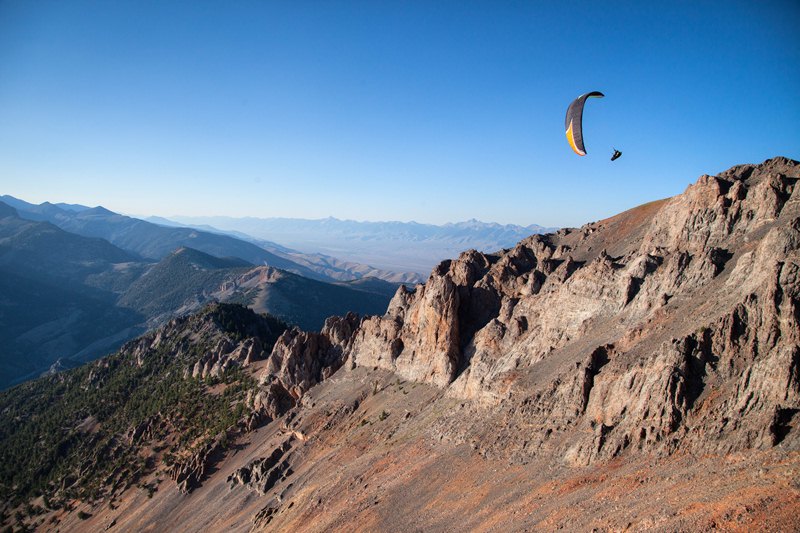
[(574, 121)]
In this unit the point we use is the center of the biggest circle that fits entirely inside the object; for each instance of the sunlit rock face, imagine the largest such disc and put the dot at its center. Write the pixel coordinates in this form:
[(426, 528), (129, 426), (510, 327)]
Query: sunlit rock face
[(672, 324)]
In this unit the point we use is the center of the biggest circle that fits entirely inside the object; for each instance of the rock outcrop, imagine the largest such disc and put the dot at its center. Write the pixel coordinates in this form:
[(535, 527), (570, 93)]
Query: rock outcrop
[(227, 354), (300, 360), (189, 473), (262, 474), (671, 325)]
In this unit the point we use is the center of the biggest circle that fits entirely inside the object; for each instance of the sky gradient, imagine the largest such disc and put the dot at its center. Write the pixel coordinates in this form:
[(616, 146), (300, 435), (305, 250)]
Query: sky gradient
[(428, 111)]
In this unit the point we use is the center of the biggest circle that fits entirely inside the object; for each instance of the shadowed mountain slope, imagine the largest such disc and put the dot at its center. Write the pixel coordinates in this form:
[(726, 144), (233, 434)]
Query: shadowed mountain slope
[(58, 295), (42, 249), (188, 279)]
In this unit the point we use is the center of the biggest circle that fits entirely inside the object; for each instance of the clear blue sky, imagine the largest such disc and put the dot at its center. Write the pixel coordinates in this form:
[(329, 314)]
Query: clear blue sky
[(427, 111)]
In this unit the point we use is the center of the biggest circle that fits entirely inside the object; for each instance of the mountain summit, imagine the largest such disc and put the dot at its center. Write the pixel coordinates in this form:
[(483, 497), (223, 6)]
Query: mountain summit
[(641, 372)]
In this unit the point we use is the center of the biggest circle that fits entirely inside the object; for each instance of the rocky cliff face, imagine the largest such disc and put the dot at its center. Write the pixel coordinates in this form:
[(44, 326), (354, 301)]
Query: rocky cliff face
[(673, 325)]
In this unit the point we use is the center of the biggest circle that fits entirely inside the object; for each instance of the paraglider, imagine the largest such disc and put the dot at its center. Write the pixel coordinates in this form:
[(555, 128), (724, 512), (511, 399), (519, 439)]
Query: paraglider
[(574, 124), (574, 121)]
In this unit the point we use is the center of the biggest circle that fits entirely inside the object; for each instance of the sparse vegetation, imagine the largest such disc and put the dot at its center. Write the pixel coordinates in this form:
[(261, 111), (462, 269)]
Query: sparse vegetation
[(135, 400)]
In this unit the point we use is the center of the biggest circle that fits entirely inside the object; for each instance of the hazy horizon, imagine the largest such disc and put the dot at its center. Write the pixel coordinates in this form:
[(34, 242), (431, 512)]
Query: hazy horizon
[(176, 217)]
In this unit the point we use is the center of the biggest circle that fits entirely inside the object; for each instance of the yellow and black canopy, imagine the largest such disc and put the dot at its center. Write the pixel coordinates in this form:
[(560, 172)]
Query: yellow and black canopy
[(574, 122)]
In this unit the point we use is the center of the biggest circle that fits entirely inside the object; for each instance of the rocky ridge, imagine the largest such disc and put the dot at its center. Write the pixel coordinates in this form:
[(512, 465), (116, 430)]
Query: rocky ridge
[(673, 325)]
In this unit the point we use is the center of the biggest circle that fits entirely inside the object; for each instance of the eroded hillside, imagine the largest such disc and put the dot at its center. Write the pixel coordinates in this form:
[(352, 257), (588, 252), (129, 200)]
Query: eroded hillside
[(641, 372)]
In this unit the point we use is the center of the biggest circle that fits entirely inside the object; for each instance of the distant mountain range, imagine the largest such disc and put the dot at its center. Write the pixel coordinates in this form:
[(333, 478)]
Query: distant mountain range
[(150, 241), (67, 298), (394, 246), (326, 249), (155, 239)]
